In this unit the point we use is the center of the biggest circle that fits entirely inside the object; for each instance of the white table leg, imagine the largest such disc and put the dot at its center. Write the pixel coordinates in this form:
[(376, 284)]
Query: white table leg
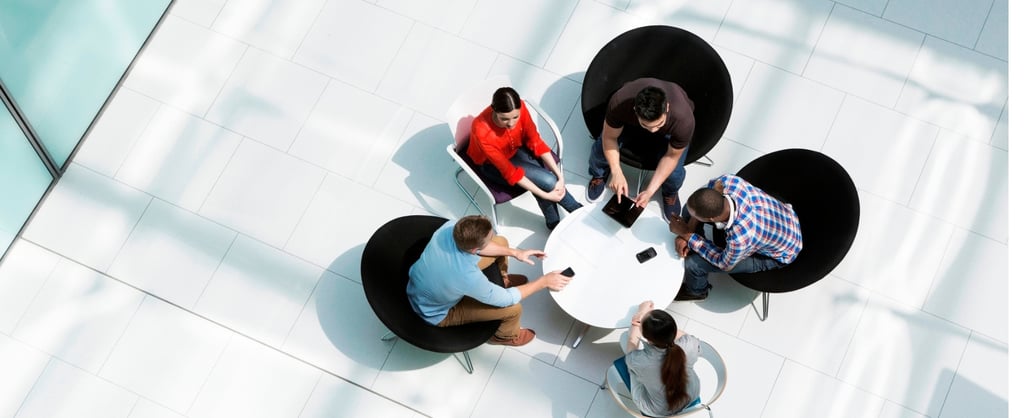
[(580, 337)]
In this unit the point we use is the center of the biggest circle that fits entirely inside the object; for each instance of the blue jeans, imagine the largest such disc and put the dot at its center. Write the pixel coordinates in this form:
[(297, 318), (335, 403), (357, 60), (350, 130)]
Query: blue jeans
[(540, 176), (695, 280), (599, 167)]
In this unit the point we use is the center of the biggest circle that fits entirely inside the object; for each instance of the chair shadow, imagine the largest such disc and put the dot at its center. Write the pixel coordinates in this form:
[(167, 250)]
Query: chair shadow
[(728, 295)]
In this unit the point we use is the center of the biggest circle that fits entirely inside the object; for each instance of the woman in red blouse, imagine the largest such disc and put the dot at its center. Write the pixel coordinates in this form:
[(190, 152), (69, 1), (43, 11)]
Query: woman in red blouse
[(505, 144)]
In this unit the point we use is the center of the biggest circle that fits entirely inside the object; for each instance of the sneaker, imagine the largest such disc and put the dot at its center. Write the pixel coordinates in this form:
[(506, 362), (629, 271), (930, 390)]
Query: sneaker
[(552, 225), (513, 280), (684, 294), (525, 336), (595, 189), (670, 206)]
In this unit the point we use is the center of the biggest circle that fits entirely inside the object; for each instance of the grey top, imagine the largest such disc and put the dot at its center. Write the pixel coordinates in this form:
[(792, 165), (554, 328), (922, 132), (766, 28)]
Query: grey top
[(645, 376)]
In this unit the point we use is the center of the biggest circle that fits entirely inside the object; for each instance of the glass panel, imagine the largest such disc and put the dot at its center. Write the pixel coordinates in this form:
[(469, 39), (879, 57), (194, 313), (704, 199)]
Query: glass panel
[(23, 179), (60, 59)]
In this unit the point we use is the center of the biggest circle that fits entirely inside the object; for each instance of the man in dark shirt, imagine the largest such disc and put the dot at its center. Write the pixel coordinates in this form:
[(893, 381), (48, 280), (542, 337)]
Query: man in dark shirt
[(661, 108)]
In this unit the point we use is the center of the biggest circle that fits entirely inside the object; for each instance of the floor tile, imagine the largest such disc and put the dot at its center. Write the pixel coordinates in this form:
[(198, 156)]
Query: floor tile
[(179, 158), (883, 151), (739, 67), (165, 354), (22, 366), (727, 156), (803, 392), (895, 410), (78, 315), (111, 208), (335, 397), (260, 184), (812, 326), (185, 65), (752, 372), (897, 251), (872, 7), (598, 349), (591, 26), (146, 408), (703, 18), (1001, 137), (556, 95), (267, 99), (421, 173), (864, 55), (81, 394), (258, 291), (803, 123), (114, 134), (336, 226), (930, 349), (994, 39), (22, 274), (980, 387), (328, 336), (351, 132), (449, 16), (277, 26), (533, 39), (973, 198), (781, 33), (172, 253), (424, 75), (553, 393), (200, 12), (727, 308), (973, 271), (954, 21), (955, 88), (252, 380), (337, 44), (409, 376)]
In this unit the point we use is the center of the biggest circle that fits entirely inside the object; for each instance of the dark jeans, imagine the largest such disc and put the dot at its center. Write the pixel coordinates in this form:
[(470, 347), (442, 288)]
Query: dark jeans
[(599, 167), (539, 175)]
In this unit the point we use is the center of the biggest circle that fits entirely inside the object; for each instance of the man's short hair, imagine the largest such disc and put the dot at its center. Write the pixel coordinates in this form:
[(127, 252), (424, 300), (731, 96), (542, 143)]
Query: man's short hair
[(706, 203), (650, 103), (471, 232)]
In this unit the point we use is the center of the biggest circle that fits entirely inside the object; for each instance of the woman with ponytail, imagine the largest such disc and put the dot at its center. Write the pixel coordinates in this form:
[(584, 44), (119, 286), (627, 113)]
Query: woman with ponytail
[(505, 144), (660, 375)]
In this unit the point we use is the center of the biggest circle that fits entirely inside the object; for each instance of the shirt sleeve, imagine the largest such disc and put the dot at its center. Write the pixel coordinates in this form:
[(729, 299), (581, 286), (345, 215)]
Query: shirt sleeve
[(531, 137), (489, 293), (491, 147)]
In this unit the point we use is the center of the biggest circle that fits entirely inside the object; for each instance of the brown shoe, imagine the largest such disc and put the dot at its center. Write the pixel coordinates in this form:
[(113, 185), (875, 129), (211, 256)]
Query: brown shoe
[(513, 280), (525, 336)]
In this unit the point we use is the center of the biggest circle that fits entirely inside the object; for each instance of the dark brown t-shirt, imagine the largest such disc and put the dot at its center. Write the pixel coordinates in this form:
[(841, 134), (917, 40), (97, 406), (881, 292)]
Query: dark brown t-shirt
[(678, 129)]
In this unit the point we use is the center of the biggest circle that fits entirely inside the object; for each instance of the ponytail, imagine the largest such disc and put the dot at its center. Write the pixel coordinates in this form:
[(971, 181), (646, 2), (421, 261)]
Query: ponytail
[(659, 328)]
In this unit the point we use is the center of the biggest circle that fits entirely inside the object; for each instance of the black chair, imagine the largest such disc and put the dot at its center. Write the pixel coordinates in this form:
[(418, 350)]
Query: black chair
[(389, 253), (667, 53), (826, 201)]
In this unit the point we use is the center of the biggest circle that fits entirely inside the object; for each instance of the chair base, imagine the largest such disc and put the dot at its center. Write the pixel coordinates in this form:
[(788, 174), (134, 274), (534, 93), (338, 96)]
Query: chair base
[(764, 307), (467, 362)]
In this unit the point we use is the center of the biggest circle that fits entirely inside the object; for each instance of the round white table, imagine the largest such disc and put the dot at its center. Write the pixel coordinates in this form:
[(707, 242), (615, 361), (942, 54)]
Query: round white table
[(610, 283)]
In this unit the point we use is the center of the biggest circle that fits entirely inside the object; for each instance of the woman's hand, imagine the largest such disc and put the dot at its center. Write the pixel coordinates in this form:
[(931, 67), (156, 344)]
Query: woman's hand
[(642, 311)]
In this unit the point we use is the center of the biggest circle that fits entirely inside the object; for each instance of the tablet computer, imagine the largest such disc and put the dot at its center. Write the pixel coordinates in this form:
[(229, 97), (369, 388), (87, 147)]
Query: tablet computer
[(624, 212)]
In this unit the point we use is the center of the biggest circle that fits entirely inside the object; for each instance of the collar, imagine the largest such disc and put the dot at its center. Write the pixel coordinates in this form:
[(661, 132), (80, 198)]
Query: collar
[(732, 212)]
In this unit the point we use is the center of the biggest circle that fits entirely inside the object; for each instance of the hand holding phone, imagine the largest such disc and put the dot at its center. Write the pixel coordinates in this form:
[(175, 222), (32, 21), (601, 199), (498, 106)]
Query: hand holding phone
[(568, 272)]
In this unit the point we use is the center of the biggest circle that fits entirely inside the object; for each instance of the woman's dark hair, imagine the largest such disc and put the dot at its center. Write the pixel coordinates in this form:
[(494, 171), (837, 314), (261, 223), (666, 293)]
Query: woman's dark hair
[(505, 100), (659, 328), (649, 104)]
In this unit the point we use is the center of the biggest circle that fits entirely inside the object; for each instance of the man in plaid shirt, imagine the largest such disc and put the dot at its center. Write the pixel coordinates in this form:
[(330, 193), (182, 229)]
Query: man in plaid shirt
[(761, 233)]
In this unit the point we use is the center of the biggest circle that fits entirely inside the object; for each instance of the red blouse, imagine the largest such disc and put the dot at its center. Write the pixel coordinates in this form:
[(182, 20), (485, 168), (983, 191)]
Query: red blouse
[(493, 144)]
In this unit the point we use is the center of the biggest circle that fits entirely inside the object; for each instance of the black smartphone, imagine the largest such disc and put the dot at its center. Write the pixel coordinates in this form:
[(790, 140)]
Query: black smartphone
[(645, 255), (568, 272)]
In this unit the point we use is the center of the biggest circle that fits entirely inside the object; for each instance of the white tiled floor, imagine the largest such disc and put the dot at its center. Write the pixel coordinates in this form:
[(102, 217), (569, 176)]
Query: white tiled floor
[(200, 257)]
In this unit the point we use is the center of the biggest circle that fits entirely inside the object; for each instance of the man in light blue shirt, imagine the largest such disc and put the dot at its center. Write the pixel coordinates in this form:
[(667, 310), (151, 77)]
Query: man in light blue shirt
[(449, 284)]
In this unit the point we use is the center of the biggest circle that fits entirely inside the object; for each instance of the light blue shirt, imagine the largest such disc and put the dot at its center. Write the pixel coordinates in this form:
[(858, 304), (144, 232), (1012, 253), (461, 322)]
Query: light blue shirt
[(444, 274)]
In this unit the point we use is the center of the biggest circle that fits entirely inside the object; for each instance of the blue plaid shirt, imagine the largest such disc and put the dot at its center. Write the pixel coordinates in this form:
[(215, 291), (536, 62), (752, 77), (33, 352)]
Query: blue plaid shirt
[(761, 224)]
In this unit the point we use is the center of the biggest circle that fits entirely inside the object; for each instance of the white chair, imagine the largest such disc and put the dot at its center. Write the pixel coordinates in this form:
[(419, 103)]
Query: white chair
[(460, 118), (617, 388)]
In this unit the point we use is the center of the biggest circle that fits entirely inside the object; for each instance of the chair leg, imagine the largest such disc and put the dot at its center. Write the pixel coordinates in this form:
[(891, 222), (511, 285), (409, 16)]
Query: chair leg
[(388, 337), (467, 364), (764, 307), (466, 192), (708, 163)]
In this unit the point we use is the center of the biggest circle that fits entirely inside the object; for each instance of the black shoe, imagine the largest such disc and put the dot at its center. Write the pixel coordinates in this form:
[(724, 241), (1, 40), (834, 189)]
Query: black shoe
[(685, 295), (552, 225), (595, 189), (670, 206)]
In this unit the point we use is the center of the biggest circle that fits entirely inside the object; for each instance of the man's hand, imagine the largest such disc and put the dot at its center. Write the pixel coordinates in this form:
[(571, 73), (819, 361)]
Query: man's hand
[(619, 185), (524, 255), (680, 227), (643, 198), (555, 280), (682, 247)]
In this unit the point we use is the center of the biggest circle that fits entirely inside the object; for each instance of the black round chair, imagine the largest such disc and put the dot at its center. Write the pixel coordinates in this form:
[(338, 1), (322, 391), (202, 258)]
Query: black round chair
[(824, 198), (667, 53), (389, 253)]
